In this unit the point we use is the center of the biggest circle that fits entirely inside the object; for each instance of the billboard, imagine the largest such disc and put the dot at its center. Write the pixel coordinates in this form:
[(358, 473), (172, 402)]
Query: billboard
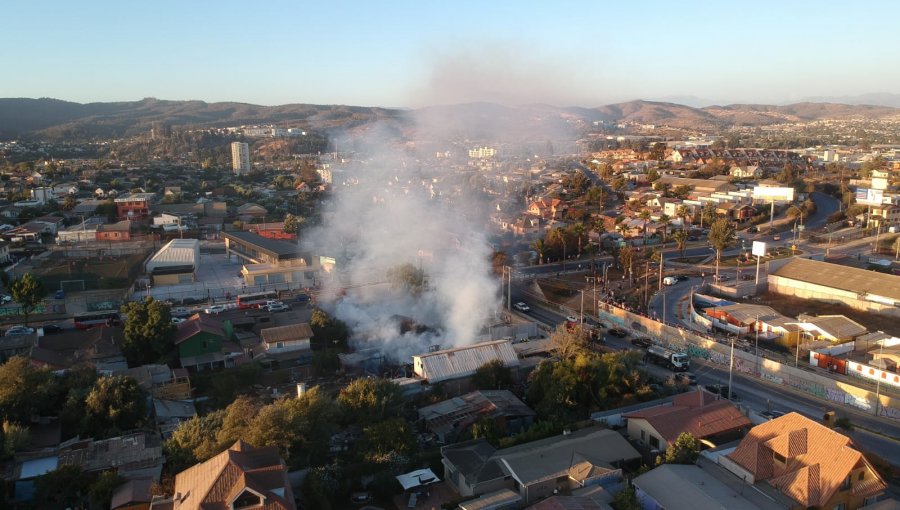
[(879, 183), (869, 196), (759, 249), (773, 194)]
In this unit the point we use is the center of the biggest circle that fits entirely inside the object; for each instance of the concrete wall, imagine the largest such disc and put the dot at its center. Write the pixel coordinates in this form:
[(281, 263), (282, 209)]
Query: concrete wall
[(836, 391)]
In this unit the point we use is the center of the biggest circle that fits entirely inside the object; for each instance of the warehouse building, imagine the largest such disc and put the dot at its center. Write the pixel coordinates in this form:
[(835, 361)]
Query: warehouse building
[(175, 263)]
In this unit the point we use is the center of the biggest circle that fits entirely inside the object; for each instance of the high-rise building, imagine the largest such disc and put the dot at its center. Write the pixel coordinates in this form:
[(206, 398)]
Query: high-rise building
[(240, 157)]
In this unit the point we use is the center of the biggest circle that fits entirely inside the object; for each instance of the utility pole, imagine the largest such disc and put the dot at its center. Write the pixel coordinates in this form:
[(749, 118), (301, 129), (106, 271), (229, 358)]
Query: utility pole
[(730, 368), (756, 326), (646, 286), (878, 383)]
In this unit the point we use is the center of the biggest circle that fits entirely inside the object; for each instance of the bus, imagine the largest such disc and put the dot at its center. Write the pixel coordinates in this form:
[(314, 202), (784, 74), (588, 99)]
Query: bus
[(93, 319), (256, 299)]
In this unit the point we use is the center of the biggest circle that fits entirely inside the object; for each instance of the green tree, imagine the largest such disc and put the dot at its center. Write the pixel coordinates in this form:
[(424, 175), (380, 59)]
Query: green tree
[(708, 214), (658, 151), (28, 292), (383, 440), (644, 215), (579, 230), (666, 223), (619, 184), (194, 441), (721, 236), (239, 416), (486, 427), (685, 450), (116, 404), (407, 277), (626, 499), (64, 487), (652, 175), (680, 237), (25, 390), (540, 248), (292, 223), (15, 438), (567, 342), (148, 333), (493, 375), (370, 400), (69, 203), (626, 259), (100, 492), (328, 332)]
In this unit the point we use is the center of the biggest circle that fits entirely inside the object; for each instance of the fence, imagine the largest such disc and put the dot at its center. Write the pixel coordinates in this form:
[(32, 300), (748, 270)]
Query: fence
[(699, 346)]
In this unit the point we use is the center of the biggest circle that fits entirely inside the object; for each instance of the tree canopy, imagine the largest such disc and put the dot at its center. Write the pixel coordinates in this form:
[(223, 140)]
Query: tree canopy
[(685, 450), (370, 400), (407, 277), (148, 333), (28, 292), (115, 404)]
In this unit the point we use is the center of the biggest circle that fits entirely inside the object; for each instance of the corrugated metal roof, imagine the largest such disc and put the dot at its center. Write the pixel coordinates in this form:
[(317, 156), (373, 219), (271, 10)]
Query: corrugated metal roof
[(840, 277), (177, 252), (463, 361), (285, 333)]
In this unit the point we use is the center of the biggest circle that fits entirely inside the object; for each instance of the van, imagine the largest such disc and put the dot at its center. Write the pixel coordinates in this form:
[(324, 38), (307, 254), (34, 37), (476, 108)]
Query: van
[(670, 280)]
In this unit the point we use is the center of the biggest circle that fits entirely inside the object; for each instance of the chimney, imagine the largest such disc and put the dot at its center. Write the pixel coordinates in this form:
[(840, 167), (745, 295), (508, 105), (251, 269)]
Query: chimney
[(828, 419)]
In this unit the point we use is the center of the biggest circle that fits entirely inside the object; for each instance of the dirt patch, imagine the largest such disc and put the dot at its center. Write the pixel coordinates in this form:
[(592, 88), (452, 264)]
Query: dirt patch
[(793, 306)]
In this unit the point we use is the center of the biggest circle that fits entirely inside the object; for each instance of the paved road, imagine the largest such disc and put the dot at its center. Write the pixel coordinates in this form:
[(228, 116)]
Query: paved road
[(826, 205)]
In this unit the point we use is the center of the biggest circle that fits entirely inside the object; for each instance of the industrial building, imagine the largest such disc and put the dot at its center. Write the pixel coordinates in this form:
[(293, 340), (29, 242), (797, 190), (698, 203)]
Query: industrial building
[(175, 263)]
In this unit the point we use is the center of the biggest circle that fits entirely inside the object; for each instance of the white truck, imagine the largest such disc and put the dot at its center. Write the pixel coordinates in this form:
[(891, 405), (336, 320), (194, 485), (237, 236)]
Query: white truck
[(675, 361)]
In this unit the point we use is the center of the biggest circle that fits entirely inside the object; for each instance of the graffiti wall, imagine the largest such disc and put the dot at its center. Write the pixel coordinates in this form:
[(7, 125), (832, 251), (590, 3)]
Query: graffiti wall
[(701, 347)]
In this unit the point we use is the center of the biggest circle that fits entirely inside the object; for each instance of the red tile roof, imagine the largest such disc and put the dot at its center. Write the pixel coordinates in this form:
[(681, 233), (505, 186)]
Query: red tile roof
[(697, 412), (816, 462)]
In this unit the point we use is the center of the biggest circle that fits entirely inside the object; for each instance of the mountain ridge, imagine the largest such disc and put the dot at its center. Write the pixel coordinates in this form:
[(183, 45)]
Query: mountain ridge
[(55, 118)]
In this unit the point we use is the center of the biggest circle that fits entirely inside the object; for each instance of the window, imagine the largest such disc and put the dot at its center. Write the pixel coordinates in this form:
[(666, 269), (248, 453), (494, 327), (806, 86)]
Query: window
[(840, 506), (654, 442), (862, 475), (247, 499), (846, 484), (279, 345), (643, 436)]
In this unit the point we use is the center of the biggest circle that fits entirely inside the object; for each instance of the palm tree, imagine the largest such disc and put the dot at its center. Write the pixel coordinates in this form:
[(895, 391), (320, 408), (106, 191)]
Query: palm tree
[(680, 237), (645, 216), (560, 236), (579, 229), (708, 213), (540, 248), (682, 212), (666, 223), (721, 236)]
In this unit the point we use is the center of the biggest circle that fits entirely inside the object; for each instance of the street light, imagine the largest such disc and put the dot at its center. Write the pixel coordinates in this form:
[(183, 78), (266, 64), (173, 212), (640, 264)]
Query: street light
[(730, 367)]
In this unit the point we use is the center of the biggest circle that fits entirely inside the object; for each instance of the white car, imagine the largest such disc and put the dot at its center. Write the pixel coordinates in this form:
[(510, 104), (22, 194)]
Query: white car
[(522, 307), (177, 320), (277, 307), (5, 298), (18, 331), (572, 318), (215, 309)]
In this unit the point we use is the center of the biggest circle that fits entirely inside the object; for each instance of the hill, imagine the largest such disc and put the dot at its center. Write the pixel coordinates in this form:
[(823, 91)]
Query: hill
[(56, 119)]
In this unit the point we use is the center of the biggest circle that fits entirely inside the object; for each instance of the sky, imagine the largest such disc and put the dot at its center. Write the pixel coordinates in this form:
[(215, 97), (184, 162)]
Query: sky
[(419, 53)]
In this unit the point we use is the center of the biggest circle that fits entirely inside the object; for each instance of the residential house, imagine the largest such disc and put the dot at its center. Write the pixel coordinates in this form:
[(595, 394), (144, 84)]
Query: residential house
[(4, 251), (885, 216), (160, 381), (808, 462), (548, 208), (169, 414), (539, 469), (746, 172), (133, 495), (285, 345), (691, 487), (448, 418), (832, 328), (700, 413), (134, 206), (241, 477), (119, 231), (96, 347), (204, 343), (251, 211)]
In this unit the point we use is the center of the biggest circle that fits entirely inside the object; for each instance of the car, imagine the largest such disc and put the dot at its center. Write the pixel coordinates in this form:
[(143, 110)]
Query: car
[(177, 320), (682, 278), (522, 307), (190, 301), (692, 238), (572, 318), (722, 277), (617, 332), (5, 298), (215, 309), (272, 302), (776, 238), (59, 294), (179, 311), (18, 331), (752, 230), (642, 342), (747, 277), (772, 414), (277, 307), (50, 329)]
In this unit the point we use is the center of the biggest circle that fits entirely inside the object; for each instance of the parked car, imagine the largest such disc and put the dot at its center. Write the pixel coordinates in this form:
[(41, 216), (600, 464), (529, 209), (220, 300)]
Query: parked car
[(5, 298), (50, 329), (776, 238), (177, 320), (215, 309), (752, 230), (642, 342), (18, 331), (179, 311), (682, 278), (572, 318), (692, 238), (721, 390), (670, 280), (277, 307), (747, 277), (190, 301), (618, 332), (522, 307), (722, 277)]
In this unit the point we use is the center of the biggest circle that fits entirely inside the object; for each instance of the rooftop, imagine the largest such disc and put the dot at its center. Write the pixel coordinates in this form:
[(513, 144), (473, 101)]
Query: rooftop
[(689, 487), (281, 249), (851, 279)]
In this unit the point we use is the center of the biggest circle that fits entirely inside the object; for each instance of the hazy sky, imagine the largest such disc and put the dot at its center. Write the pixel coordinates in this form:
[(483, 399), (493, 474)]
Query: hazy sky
[(392, 53)]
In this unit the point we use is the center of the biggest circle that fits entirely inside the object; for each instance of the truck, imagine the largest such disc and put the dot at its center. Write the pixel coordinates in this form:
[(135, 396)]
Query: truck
[(675, 361)]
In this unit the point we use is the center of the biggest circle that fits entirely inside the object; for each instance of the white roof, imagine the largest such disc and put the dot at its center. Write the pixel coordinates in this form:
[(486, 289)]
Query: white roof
[(177, 252), (463, 361), (417, 478), (690, 488)]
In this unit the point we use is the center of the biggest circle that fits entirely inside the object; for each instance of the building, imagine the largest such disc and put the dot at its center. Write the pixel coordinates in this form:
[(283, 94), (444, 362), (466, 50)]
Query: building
[(806, 461), (83, 232), (831, 328), (539, 469), (690, 487), (446, 419), (118, 231), (285, 345), (482, 152), (240, 158), (240, 477), (134, 206), (204, 343), (858, 288), (175, 263), (460, 362), (271, 261), (700, 413), (133, 495)]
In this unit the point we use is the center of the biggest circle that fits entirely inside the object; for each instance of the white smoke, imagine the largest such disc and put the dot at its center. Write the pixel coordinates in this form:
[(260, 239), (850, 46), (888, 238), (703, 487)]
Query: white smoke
[(389, 210)]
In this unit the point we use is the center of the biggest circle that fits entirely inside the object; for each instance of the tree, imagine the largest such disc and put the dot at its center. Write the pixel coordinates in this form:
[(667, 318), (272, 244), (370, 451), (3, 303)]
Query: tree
[(567, 342), (383, 440), (682, 211), (15, 438), (28, 292), (64, 487), (116, 404), (626, 499), (148, 333), (708, 214), (652, 175), (101, 491), (493, 375), (666, 223), (541, 248), (292, 223), (685, 450), (645, 217), (619, 184), (236, 422), (486, 427), (658, 151), (721, 236), (69, 203), (328, 332), (579, 230), (626, 259), (25, 390), (680, 237), (407, 277), (370, 400), (559, 236), (194, 441)]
